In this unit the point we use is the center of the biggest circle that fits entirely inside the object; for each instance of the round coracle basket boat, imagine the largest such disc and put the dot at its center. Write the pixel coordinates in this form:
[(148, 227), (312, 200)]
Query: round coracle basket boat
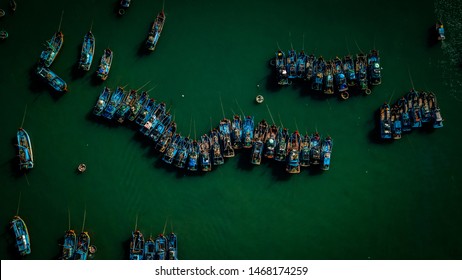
[(82, 167), (259, 99), (121, 12), (368, 91), (345, 95), (3, 34), (92, 249), (2, 13)]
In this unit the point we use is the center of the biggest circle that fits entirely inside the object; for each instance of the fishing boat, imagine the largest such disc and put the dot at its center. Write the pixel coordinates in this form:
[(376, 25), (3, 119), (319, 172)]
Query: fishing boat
[(154, 118), (293, 153), (340, 79), (292, 64), (52, 79), (361, 72), (281, 146), (435, 111), (172, 247), (69, 245), (193, 159), (309, 69), (161, 247), (305, 147), (83, 246), (271, 141), (404, 113), (136, 246), (172, 149), (281, 68), (326, 147), (217, 154), (102, 101), (141, 101), (156, 30), (329, 78), (259, 138), (247, 132), (257, 151), (424, 107), (236, 132), (21, 235), (26, 157), (182, 154), (414, 109), (349, 70), (373, 67), (3, 34), (225, 136), (125, 4), (123, 110), (166, 138), (301, 65), (315, 150), (105, 64), (440, 31), (53, 47), (159, 127), (149, 249), (319, 69), (204, 157), (87, 52), (113, 104), (145, 113), (385, 121), (396, 125)]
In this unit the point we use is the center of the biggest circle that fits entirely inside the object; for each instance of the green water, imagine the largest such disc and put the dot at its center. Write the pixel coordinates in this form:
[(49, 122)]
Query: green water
[(397, 200)]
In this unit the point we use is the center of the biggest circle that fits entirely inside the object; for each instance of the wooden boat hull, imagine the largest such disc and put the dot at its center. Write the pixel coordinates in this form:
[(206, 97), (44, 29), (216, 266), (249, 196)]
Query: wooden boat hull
[(88, 51), (21, 235), (53, 47), (105, 64), (25, 153)]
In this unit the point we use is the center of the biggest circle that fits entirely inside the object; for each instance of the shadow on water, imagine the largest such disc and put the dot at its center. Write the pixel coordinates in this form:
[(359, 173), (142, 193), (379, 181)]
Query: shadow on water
[(142, 50), (432, 36), (95, 80), (126, 248)]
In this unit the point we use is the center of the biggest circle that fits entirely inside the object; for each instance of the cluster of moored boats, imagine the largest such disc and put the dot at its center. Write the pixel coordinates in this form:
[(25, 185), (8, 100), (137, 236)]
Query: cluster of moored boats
[(54, 45), (77, 247), (411, 111), (263, 140), (159, 248), (329, 76)]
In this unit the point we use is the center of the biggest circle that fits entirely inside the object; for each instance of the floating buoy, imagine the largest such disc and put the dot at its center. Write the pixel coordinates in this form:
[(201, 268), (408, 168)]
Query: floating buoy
[(121, 12), (82, 167), (259, 99), (345, 95), (92, 249), (272, 62), (368, 91)]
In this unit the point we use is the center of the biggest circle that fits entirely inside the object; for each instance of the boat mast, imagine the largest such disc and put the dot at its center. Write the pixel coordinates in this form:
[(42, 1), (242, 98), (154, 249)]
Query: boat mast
[(24, 116), (19, 203), (59, 27), (69, 218), (222, 110), (84, 217), (271, 115), (243, 115), (136, 222)]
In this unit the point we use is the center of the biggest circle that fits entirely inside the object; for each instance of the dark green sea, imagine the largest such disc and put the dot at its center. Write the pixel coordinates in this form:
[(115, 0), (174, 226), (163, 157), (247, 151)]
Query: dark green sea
[(396, 200)]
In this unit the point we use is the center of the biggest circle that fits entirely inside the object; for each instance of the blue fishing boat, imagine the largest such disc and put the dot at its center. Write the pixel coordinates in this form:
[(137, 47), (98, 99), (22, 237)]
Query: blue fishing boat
[(83, 246), (52, 79), (161, 247), (21, 235), (204, 157), (414, 109), (396, 125), (53, 47), (236, 132), (225, 136), (329, 78), (159, 127), (125, 4), (440, 31), (259, 138), (281, 69), (301, 65), (326, 145), (145, 113), (149, 249), (435, 111), (271, 141), (247, 132), (25, 154), (136, 246), (69, 245), (340, 79), (154, 117), (102, 101), (172, 247), (217, 154), (281, 146), (193, 159), (385, 121), (172, 149), (424, 107), (116, 98), (141, 101), (315, 150), (373, 67), (361, 72), (292, 64), (293, 153), (88, 51), (182, 154), (349, 70), (105, 64), (155, 31), (404, 113), (166, 138), (309, 68), (124, 108), (319, 69), (305, 147)]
